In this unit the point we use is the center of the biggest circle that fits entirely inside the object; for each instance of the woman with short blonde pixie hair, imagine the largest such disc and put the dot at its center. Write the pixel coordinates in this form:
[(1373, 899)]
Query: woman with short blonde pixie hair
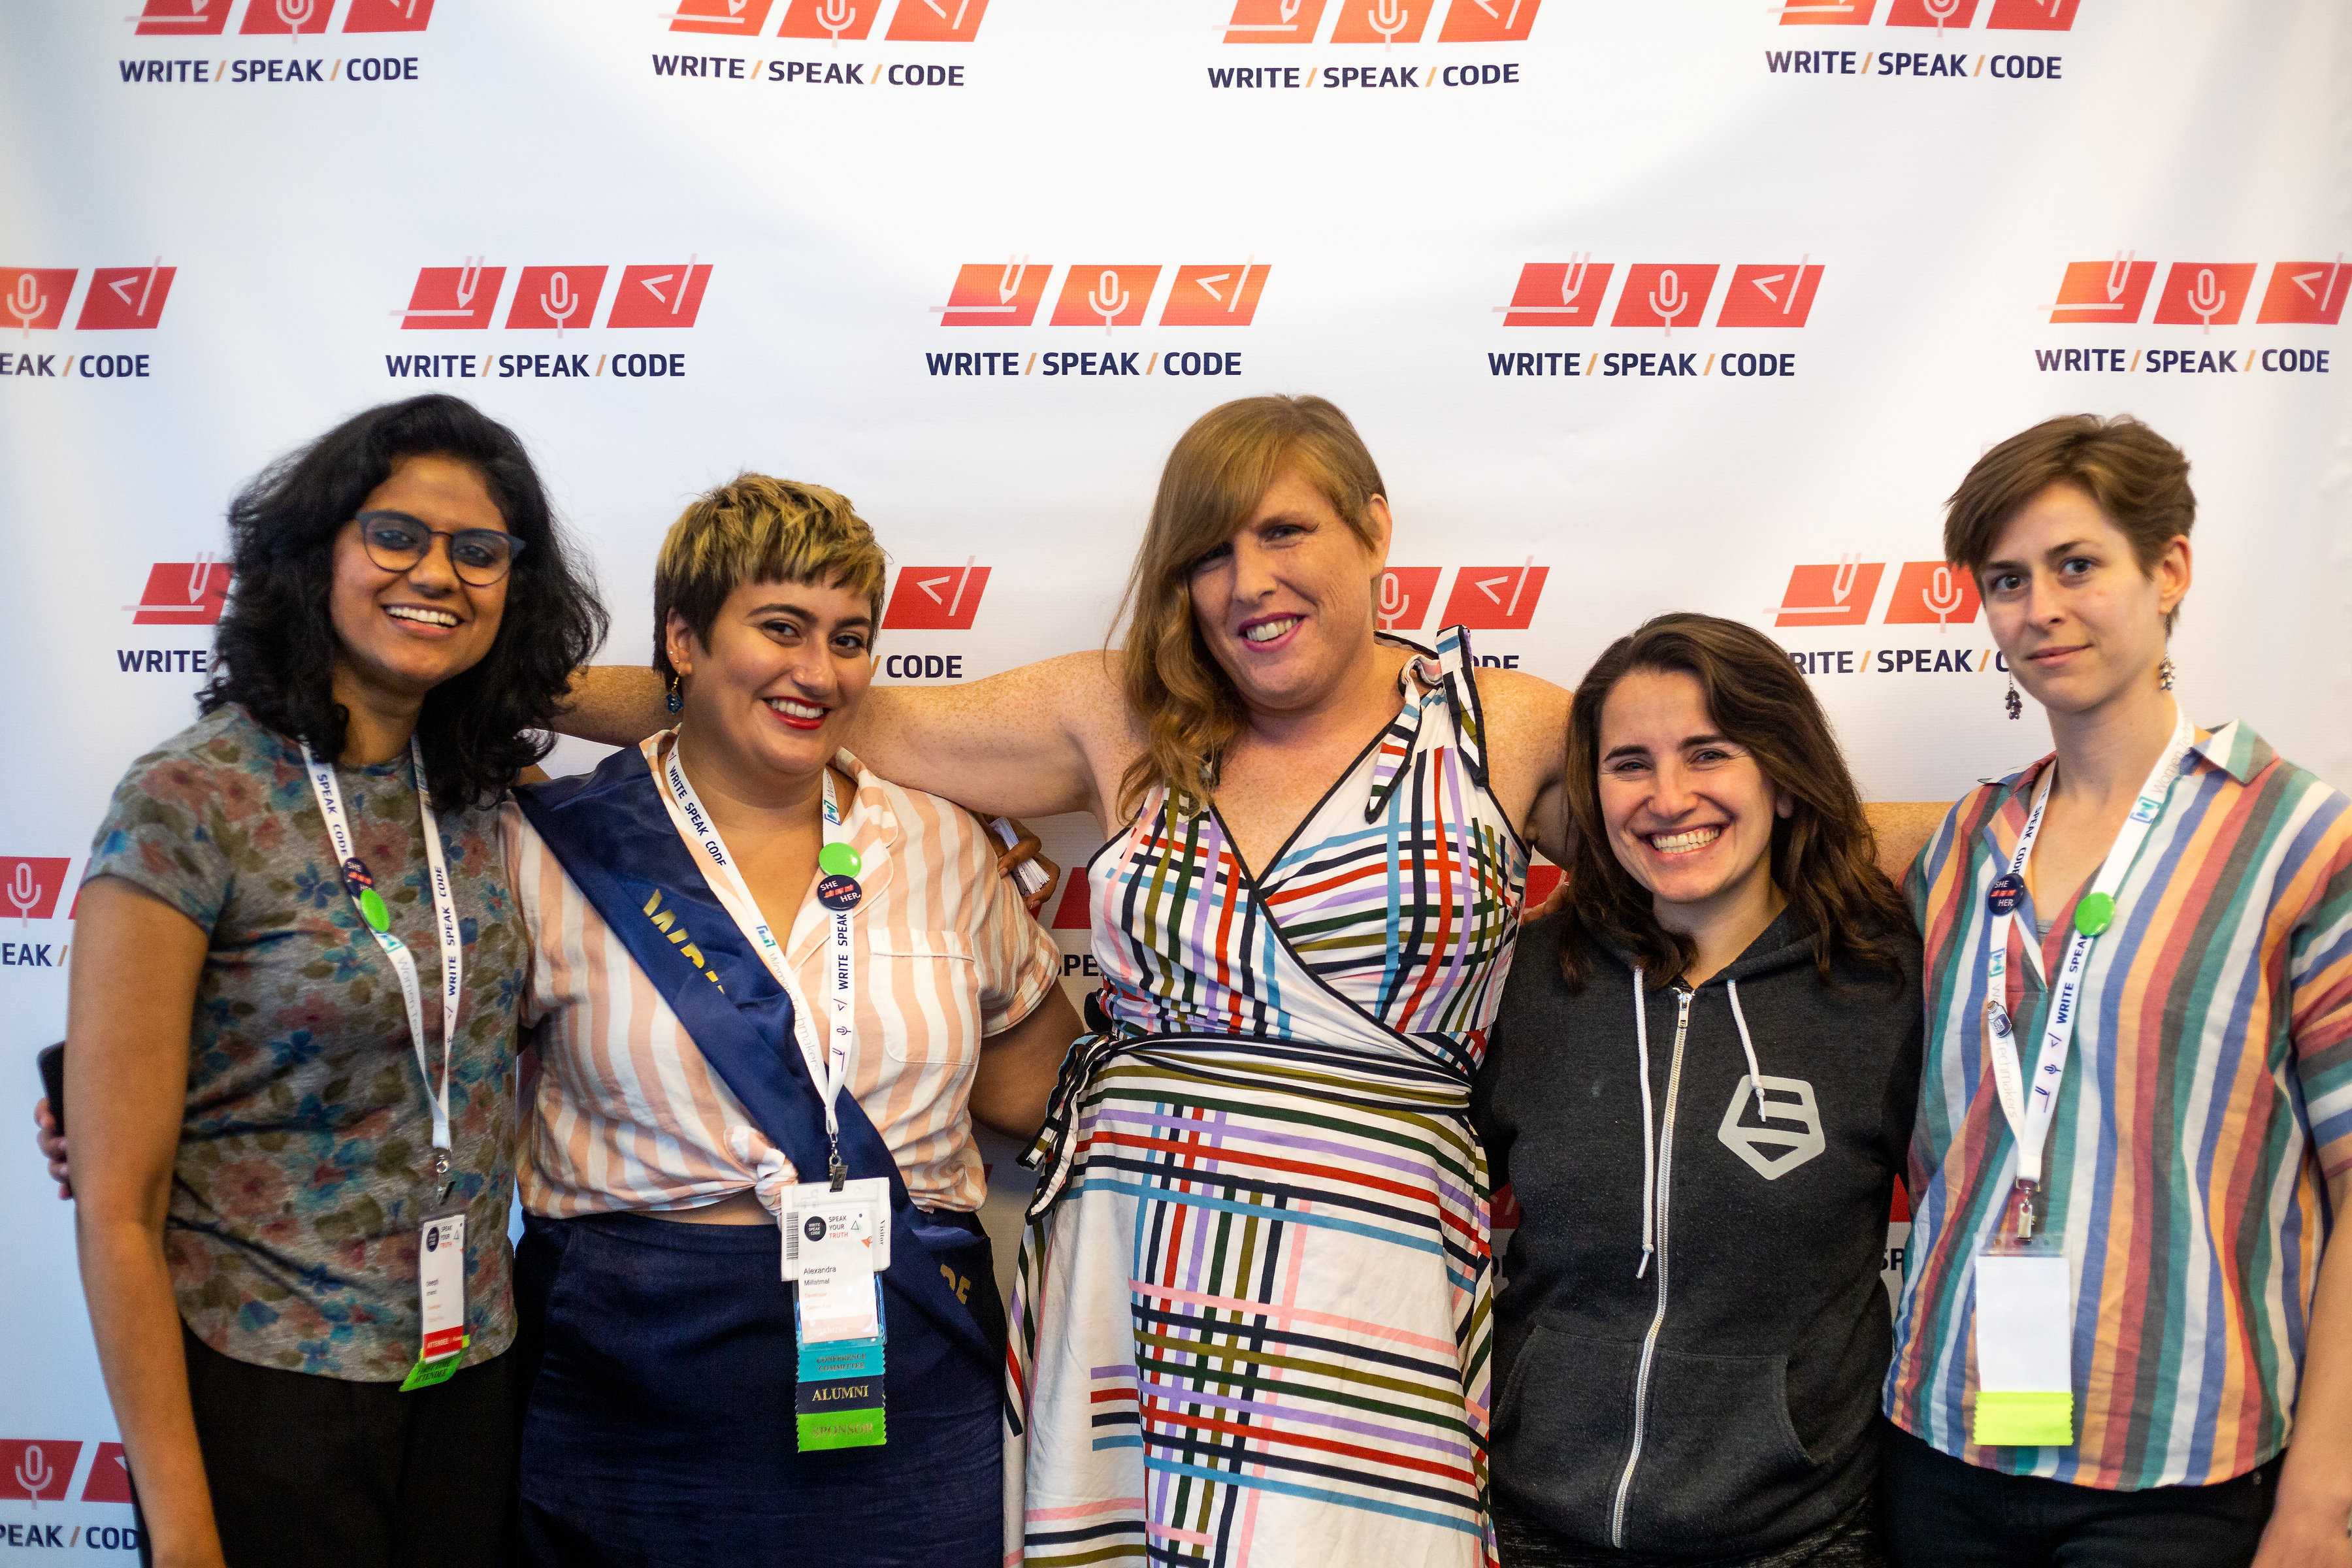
[(761, 972)]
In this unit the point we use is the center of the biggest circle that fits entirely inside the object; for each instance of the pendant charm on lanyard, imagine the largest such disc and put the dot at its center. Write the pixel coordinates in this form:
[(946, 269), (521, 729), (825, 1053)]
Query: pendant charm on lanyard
[(2031, 1107)]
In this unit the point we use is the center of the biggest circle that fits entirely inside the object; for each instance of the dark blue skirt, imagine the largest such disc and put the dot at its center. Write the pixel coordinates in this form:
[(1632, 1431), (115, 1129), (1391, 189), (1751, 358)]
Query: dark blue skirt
[(658, 1426)]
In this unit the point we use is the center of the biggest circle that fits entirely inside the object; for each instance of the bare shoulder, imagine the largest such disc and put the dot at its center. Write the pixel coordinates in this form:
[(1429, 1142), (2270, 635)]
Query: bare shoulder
[(1526, 723), (1514, 697), (1527, 745)]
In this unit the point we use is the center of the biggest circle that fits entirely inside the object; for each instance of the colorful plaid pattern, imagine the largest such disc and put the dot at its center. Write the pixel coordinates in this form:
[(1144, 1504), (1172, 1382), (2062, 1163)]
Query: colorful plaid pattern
[(1251, 1325), (2205, 1111)]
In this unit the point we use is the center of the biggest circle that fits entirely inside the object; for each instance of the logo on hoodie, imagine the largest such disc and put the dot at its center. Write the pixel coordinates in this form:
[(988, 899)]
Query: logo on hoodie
[(1773, 1152)]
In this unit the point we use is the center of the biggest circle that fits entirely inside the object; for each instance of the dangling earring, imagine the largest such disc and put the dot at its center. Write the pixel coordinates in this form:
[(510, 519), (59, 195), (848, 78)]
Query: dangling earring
[(677, 699), (2164, 674), (2015, 703)]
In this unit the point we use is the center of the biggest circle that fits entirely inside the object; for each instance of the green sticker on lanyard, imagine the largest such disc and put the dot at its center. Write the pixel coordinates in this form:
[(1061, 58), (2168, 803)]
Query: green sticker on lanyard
[(840, 859), (2094, 914)]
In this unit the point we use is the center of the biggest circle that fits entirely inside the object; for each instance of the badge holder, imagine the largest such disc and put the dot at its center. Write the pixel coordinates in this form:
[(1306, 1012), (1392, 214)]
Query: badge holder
[(2025, 1332), (441, 1282), (836, 1246)]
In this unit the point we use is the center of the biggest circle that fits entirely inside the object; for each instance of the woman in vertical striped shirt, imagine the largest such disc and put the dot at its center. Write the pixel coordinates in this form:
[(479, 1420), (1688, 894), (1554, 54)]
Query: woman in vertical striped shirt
[(683, 971), (2199, 1139)]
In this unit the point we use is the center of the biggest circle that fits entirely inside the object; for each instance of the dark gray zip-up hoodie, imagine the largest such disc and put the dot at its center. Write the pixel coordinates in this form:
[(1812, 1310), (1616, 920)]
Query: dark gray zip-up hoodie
[(1706, 1385)]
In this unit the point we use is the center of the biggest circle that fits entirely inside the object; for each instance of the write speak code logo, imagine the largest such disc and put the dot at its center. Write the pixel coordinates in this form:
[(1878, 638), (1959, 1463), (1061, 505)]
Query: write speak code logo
[(2305, 293), (1838, 594), (2111, 292), (1095, 295), (558, 299), (126, 298), (1932, 593), (936, 598), (2200, 293), (1383, 22), (987, 294), (284, 17), (833, 21), (33, 299), (183, 594), (30, 886), (1664, 295), (1405, 595), (36, 1470), (182, 18), (1496, 598)]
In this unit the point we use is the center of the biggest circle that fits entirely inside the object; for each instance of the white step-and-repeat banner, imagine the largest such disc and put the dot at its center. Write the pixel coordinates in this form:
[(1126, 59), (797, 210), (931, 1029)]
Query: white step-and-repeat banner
[(1679, 304)]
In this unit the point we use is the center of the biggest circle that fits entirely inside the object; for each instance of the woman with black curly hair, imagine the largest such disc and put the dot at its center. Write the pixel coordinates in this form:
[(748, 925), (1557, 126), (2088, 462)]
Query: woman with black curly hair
[(293, 1012)]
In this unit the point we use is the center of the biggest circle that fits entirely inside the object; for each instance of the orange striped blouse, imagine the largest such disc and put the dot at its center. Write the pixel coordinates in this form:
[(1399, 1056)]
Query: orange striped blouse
[(628, 1115)]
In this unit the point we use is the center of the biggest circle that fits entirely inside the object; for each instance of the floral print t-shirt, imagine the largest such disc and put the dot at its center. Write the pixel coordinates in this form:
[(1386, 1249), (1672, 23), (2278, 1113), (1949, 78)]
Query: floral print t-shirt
[(305, 1159)]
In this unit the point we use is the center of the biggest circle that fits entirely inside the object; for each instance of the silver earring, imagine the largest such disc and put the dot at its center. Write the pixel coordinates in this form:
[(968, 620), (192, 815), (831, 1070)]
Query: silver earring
[(2015, 704), (2164, 674)]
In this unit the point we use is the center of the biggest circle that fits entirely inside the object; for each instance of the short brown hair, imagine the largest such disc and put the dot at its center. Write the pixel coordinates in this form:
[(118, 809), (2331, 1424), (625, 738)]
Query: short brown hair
[(759, 529), (1824, 857), (1219, 471), (2139, 479)]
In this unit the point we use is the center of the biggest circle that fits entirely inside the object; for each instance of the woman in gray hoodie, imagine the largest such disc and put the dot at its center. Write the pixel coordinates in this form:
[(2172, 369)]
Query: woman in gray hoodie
[(1701, 1086)]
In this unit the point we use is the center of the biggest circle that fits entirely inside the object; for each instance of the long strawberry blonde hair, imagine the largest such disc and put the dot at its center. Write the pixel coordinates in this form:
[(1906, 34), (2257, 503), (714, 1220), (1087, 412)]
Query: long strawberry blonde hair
[(1219, 471)]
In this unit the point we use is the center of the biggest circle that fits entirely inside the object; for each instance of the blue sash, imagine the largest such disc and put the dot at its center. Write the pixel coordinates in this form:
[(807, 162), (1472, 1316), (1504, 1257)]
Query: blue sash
[(613, 833)]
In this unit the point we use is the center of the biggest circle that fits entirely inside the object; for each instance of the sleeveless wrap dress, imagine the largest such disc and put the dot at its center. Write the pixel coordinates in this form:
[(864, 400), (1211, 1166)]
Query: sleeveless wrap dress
[(1251, 1326)]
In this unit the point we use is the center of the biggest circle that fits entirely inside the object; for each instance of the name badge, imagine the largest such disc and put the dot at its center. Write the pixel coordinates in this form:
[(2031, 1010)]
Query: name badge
[(836, 1246), (441, 1285), (2025, 1341)]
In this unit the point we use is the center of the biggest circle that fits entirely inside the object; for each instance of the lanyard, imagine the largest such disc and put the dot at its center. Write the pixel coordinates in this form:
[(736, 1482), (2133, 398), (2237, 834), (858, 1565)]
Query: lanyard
[(837, 890), (2030, 1117), (361, 886)]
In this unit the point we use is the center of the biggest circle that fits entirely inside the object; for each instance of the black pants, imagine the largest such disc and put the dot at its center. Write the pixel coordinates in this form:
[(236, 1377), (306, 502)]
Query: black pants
[(660, 1427), (306, 1471), (1943, 1512)]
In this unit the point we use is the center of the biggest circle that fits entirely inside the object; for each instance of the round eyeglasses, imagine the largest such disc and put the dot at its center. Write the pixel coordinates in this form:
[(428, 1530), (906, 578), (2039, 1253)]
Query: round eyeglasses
[(398, 542)]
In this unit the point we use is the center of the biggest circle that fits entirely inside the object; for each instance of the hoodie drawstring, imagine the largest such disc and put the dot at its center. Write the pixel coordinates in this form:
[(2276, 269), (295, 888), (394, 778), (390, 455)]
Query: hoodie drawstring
[(1755, 1073), (1649, 1132)]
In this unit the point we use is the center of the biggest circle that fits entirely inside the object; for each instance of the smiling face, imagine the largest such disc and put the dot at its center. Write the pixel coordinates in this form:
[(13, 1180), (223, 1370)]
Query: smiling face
[(2079, 620), (403, 633), (1689, 810), (1285, 606), (785, 665)]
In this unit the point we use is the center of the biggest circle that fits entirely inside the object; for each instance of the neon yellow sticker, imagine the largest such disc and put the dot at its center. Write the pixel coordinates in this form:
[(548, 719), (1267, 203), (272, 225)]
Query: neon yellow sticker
[(2024, 1418)]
